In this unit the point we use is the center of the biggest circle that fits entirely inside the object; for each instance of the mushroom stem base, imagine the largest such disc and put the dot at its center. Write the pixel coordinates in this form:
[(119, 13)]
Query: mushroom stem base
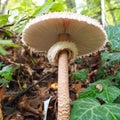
[(63, 87)]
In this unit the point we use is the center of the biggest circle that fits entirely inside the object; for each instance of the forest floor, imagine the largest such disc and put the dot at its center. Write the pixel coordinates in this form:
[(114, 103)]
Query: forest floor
[(35, 81)]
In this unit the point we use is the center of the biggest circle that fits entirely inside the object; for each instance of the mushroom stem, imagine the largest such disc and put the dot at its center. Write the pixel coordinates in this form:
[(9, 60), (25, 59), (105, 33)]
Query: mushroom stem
[(63, 87)]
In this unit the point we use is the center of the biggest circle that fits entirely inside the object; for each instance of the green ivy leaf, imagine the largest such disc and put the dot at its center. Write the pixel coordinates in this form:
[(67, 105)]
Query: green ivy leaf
[(85, 109), (91, 109), (109, 94), (100, 73), (117, 76), (112, 58), (111, 111), (113, 33), (105, 56), (91, 92), (80, 75)]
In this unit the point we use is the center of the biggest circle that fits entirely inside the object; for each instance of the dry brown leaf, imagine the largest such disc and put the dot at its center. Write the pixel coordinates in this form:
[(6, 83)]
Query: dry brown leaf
[(29, 70), (54, 86), (1, 114), (92, 73), (99, 87), (15, 116), (2, 91), (26, 106), (78, 88)]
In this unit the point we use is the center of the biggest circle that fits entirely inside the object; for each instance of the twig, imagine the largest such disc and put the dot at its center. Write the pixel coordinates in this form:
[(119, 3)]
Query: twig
[(10, 103), (11, 24)]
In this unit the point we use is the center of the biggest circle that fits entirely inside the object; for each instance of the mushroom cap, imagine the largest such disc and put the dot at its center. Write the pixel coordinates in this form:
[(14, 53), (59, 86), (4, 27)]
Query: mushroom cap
[(43, 32)]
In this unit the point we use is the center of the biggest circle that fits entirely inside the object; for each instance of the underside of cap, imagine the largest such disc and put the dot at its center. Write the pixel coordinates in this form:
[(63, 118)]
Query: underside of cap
[(42, 32)]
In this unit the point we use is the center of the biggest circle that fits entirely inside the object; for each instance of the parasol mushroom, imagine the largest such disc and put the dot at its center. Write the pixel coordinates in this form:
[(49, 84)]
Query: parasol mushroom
[(64, 36)]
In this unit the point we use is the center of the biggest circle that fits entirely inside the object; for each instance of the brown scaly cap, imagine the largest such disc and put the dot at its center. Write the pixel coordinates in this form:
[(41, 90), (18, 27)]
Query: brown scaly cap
[(42, 32)]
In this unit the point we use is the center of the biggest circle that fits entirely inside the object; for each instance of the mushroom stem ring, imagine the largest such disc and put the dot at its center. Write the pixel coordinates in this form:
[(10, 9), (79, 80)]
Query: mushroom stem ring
[(55, 50)]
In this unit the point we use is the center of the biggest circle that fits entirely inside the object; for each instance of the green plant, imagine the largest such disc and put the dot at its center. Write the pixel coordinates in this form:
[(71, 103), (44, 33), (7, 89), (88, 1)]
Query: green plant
[(80, 75), (6, 74), (98, 101), (8, 43), (91, 109)]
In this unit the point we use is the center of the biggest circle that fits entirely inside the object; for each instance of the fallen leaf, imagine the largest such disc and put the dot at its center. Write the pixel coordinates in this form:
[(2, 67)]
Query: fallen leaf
[(1, 114), (2, 91), (99, 87)]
